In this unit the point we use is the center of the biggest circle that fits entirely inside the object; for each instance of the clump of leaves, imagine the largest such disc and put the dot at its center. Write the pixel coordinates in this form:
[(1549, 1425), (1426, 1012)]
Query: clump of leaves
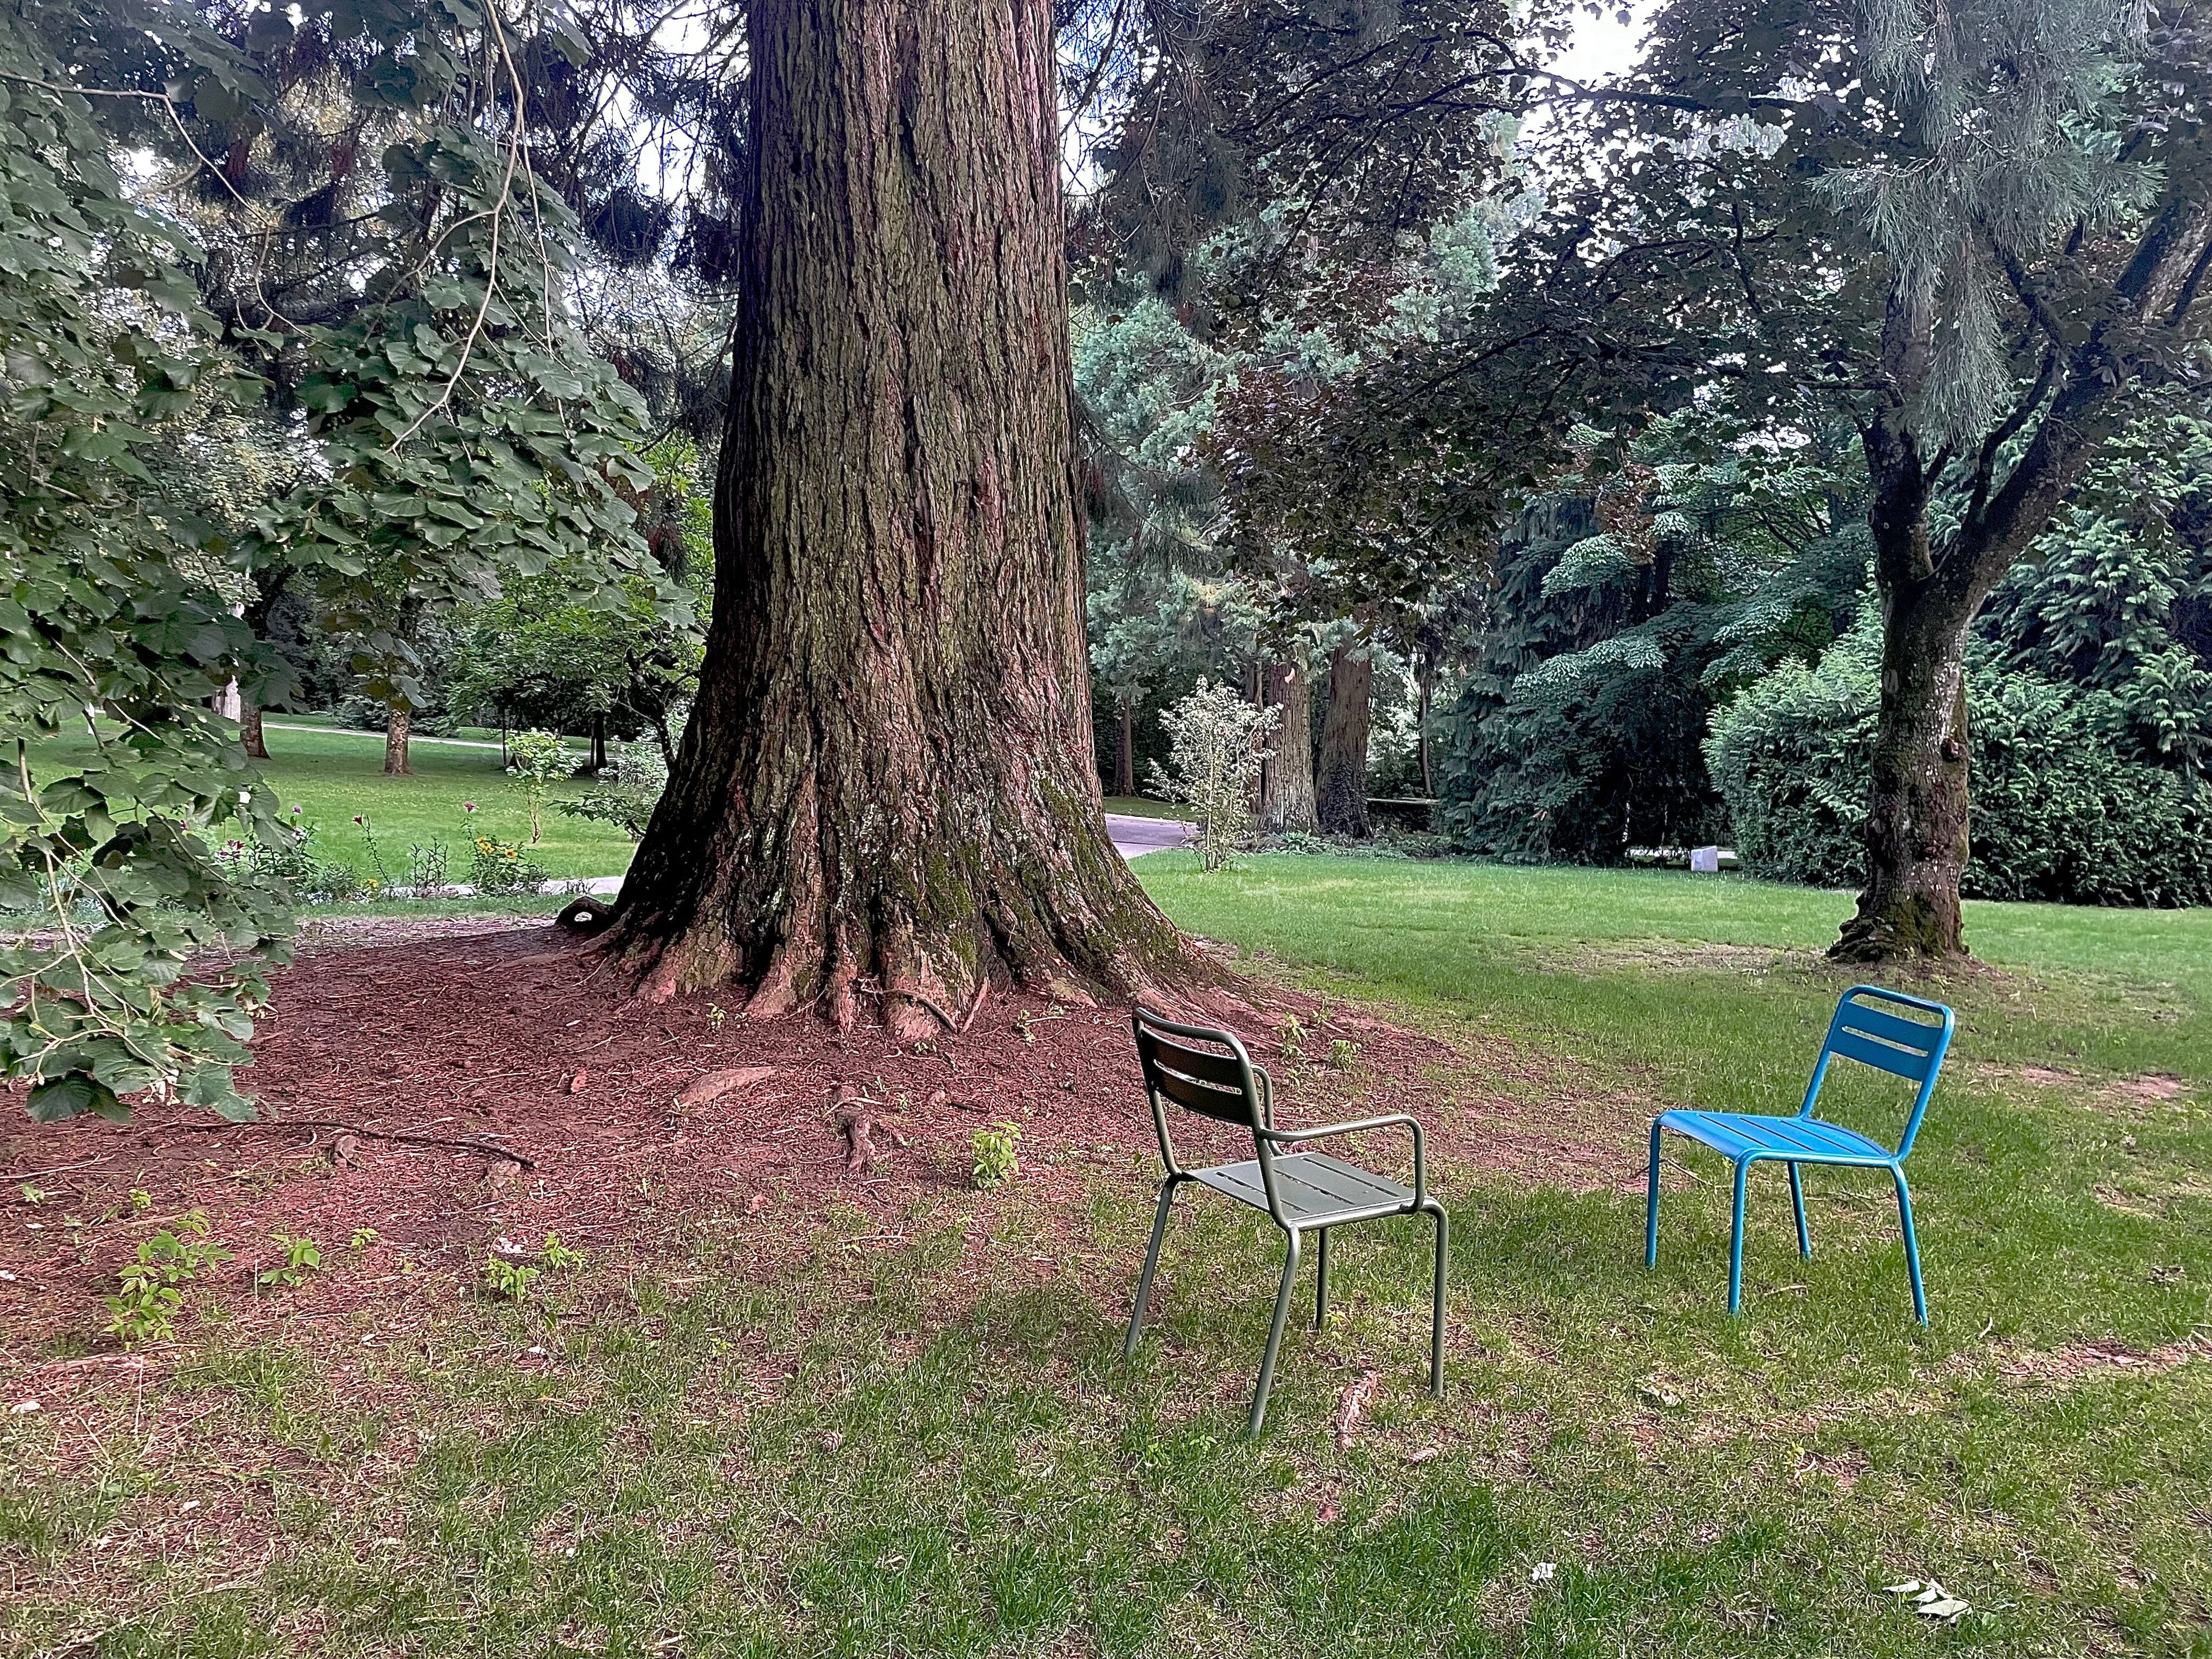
[(1292, 1042), (302, 1257), (557, 1256), (994, 1152), (1342, 1054), (1219, 743), (627, 791), (363, 1238), (150, 1288)]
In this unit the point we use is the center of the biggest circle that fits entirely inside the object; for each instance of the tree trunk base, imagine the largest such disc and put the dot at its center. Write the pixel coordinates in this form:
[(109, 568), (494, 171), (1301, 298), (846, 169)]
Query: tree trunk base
[(1922, 928)]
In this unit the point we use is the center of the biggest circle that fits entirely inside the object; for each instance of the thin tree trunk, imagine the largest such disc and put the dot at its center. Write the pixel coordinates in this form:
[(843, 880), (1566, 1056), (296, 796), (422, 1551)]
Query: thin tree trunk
[(1427, 680), (1125, 746), (1340, 790), (396, 718), (250, 736), (887, 785), (1286, 782)]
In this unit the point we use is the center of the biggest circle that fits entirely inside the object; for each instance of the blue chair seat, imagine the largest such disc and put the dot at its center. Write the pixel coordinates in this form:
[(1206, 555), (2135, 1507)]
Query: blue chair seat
[(1798, 1140), (1906, 1037)]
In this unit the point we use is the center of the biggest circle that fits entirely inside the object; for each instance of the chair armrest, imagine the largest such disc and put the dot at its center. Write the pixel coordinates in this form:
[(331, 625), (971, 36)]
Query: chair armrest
[(1387, 1121)]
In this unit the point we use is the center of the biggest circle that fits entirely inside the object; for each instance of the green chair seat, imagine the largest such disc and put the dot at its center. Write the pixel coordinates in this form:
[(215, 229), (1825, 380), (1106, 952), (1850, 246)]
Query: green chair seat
[(1314, 1189)]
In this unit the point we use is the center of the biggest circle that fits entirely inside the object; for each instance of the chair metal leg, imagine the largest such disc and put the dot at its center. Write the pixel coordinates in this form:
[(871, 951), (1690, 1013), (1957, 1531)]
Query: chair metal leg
[(1151, 1265), (1275, 1333), (1912, 1247), (1321, 1295), (1651, 1204), (1436, 1317), (1735, 1242), (1797, 1203)]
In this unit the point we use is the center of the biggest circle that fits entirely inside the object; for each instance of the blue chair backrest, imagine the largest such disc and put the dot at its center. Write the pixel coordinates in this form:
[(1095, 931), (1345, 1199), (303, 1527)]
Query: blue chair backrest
[(1910, 1048)]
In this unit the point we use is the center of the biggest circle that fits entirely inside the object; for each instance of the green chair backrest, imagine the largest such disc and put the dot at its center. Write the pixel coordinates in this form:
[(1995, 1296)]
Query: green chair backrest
[(1225, 1087)]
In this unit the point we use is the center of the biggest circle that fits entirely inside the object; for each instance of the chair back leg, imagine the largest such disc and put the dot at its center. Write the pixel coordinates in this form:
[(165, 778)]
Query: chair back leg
[(1797, 1203), (1321, 1295), (1651, 1204), (1912, 1246), (1736, 1242), (1437, 1312), (1151, 1265), (1275, 1333)]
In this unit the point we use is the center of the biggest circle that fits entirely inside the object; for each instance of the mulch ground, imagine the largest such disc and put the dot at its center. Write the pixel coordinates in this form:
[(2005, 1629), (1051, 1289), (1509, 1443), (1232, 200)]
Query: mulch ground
[(451, 1085)]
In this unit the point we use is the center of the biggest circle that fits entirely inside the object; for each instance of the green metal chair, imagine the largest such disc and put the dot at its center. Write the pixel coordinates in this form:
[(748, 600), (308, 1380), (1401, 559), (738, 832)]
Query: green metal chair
[(1301, 1192)]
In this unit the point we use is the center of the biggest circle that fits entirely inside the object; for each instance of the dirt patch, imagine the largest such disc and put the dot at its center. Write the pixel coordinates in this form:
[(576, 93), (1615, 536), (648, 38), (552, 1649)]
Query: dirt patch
[(2079, 1359), (425, 1096), (2151, 1085)]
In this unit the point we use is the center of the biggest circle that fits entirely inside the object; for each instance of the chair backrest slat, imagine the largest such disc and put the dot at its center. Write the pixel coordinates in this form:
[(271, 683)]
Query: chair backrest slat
[(1168, 1074), (1225, 1087), (1915, 1036), (1883, 1057), (1910, 1048)]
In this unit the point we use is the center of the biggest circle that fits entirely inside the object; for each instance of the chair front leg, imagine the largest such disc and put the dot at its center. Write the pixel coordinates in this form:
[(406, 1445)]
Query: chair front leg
[(1736, 1240), (1151, 1265), (1912, 1246), (1651, 1204), (1321, 1295), (1436, 1313), (1797, 1203), (1275, 1332)]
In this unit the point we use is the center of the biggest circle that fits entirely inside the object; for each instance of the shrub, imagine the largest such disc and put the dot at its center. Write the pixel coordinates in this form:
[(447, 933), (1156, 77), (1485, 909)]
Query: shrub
[(1219, 743), (538, 760), (627, 790), (2059, 810)]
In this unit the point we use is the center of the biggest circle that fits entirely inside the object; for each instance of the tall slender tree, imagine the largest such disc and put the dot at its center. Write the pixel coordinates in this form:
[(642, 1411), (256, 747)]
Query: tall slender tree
[(888, 785)]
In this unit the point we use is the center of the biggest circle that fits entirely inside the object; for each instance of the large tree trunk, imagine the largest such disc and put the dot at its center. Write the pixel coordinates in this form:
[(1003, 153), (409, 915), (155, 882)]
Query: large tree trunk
[(1286, 780), (887, 787), (250, 736), (1125, 746), (1916, 806), (397, 718), (1341, 789)]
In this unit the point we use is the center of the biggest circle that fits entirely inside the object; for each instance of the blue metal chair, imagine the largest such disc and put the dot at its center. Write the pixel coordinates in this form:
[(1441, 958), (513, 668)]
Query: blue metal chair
[(1910, 1048)]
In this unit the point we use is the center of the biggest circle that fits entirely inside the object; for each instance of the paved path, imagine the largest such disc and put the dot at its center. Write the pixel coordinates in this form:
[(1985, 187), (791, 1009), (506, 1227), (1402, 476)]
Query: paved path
[(1133, 838)]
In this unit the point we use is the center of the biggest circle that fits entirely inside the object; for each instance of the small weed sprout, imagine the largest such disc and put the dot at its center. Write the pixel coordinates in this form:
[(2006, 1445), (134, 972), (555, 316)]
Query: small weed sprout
[(558, 1257), (301, 1257), (993, 1149), (1219, 743), (361, 1239), (1292, 1042), (32, 1194), (141, 1199), (508, 1280), (1342, 1054), (715, 1015), (150, 1288)]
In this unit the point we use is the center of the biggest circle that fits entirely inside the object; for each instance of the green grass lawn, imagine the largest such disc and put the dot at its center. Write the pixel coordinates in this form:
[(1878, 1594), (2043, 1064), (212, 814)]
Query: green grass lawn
[(334, 773), (825, 1460)]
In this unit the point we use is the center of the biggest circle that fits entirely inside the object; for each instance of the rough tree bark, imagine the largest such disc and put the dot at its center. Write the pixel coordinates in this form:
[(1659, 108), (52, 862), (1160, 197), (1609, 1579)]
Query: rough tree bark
[(1917, 827), (1340, 791), (397, 718), (887, 787), (250, 735), (1286, 780)]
